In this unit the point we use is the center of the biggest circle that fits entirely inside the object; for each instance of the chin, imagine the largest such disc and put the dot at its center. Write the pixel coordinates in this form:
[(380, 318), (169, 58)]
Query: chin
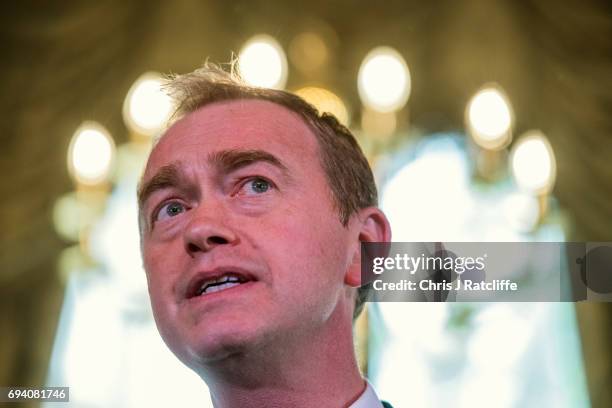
[(216, 345)]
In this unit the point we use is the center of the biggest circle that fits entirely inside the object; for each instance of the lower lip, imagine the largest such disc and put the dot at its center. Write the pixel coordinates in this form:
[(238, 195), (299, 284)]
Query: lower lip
[(234, 290)]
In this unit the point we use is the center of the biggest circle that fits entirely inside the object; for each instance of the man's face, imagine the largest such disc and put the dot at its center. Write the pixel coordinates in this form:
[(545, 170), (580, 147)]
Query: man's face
[(242, 244)]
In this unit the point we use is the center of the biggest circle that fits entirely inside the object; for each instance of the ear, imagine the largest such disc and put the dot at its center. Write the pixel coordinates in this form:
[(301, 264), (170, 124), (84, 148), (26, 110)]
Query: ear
[(373, 226)]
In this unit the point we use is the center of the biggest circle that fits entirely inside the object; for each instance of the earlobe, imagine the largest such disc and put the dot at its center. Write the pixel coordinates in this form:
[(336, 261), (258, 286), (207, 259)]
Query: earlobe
[(352, 277), (373, 227)]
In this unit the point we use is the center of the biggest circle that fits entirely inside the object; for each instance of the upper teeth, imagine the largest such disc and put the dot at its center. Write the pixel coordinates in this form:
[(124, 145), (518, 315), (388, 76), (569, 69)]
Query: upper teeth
[(217, 284)]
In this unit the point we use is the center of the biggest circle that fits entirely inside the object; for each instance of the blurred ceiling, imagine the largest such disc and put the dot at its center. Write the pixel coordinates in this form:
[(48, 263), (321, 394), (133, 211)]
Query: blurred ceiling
[(65, 62)]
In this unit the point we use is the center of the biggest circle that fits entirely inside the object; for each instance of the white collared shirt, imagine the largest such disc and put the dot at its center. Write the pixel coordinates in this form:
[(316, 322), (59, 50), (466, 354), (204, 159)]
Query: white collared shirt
[(368, 399)]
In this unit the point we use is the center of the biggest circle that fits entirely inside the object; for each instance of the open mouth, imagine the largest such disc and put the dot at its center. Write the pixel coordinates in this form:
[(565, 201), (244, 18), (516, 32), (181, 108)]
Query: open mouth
[(207, 285)]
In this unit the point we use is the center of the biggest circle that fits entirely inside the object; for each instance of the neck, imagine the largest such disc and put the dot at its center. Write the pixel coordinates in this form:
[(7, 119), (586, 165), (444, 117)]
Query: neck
[(311, 370)]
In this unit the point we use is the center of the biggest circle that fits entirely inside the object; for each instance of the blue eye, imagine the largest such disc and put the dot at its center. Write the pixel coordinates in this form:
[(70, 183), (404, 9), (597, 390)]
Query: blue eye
[(258, 185), (255, 186), (169, 210)]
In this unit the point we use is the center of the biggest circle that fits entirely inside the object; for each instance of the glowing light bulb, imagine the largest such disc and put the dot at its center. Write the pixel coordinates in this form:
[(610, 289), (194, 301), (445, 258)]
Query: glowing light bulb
[(384, 80), (533, 163), (490, 118), (147, 108), (90, 154), (262, 62), (308, 52), (325, 101)]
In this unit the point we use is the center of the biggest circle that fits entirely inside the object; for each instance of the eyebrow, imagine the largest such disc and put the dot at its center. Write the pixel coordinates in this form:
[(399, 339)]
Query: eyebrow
[(231, 160), (225, 161), (167, 176)]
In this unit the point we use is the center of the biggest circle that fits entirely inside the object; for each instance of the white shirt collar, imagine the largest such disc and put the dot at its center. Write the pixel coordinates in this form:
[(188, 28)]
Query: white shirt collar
[(368, 399)]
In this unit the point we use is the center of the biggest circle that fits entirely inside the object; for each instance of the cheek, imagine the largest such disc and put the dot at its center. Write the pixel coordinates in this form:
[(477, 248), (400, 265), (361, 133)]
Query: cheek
[(312, 250), (319, 228), (162, 300), (161, 270)]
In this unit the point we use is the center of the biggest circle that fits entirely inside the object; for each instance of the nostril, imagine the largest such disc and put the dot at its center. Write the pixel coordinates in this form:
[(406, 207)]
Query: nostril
[(192, 247), (216, 240)]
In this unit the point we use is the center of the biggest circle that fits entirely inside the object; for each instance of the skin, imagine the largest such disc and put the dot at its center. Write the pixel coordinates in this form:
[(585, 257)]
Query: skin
[(285, 337)]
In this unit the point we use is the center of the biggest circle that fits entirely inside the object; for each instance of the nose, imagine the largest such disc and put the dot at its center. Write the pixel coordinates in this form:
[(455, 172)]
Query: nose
[(207, 230)]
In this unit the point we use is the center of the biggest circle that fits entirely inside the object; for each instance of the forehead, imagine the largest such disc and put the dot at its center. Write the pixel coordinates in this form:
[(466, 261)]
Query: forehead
[(237, 124)]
